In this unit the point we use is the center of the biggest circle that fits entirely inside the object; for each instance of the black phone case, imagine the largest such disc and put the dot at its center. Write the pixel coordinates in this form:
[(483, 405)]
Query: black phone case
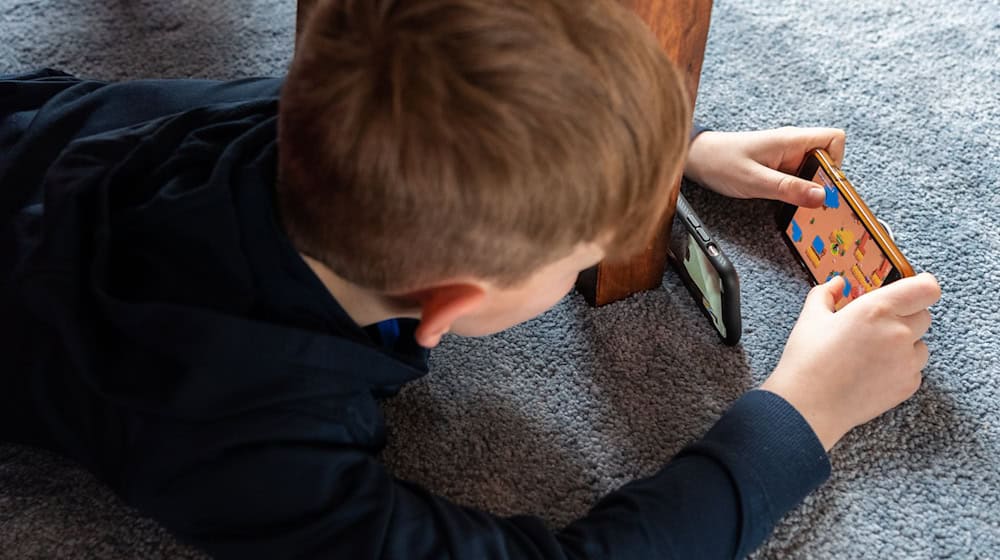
[(731, 316)]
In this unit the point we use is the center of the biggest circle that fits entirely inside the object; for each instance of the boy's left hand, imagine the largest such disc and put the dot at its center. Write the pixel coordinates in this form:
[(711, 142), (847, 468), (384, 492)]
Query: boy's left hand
[(761, 164)]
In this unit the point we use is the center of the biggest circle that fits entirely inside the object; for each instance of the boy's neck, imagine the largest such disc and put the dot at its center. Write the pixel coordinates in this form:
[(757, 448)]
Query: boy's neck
[(361, 305)]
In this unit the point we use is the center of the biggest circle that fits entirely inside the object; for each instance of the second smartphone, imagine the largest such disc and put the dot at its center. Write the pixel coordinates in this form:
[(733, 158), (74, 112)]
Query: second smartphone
[(706, 272)]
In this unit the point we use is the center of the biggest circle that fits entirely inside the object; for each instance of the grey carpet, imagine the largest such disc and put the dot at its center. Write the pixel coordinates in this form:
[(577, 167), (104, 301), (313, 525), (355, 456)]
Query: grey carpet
[(547, 417)]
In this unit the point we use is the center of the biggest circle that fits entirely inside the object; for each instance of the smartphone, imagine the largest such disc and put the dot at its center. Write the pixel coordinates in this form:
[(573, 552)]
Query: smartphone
[(706, 272), (842, 237)]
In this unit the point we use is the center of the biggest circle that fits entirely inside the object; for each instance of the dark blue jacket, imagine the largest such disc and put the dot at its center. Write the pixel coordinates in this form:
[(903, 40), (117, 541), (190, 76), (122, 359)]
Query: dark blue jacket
[(157, 326)]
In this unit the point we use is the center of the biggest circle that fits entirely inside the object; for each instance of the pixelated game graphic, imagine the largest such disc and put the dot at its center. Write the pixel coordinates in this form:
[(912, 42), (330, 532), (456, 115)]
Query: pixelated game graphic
[(834, 242), (832, 197), (816, 251), (819, 246), (796, 232)]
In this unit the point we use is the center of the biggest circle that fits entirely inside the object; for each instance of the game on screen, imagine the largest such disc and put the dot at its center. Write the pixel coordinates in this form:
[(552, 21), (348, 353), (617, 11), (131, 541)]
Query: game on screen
[(706, 278), (833, 242)]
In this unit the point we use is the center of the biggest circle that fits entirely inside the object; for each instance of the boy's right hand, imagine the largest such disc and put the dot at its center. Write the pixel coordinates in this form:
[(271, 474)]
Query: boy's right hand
[(842, 369)]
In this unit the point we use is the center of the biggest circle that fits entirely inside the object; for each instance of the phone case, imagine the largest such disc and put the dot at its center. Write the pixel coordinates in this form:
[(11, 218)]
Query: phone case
[(820, 158), (687, 222)]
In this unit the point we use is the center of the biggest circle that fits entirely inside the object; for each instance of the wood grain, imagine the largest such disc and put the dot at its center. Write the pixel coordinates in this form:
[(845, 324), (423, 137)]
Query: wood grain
[(682, 29), (302, 11)]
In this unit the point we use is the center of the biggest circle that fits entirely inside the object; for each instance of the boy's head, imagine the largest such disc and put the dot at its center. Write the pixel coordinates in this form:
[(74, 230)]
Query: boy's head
[(425, 143)]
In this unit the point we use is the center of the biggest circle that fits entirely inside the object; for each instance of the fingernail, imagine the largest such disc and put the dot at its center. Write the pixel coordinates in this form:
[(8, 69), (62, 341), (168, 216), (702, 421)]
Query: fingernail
[(817, 192)]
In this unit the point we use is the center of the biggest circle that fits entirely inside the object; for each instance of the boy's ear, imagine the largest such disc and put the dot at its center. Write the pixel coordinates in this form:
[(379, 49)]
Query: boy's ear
[(441, 306)]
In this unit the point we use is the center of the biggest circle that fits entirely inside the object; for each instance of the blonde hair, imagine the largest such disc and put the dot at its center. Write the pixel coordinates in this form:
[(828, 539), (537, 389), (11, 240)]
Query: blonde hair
[(426, 140)]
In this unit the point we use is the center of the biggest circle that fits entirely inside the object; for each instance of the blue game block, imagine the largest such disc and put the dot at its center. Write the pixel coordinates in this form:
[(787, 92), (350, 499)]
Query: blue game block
[(796, 232), (832, 197), (818, 245), (847, 287)]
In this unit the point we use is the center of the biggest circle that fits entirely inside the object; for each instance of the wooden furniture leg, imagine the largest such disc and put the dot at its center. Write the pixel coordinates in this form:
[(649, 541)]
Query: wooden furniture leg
[(301, 11), (682, 29)]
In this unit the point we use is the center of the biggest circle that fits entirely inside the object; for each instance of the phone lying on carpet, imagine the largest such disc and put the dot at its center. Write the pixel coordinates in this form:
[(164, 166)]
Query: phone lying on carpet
[(842, 237), (706, 272)]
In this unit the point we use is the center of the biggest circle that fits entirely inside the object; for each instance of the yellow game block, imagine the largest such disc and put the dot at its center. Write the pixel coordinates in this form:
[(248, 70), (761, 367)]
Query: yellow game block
[(813, 256), (876, 280), (859, 254), (860, 277)]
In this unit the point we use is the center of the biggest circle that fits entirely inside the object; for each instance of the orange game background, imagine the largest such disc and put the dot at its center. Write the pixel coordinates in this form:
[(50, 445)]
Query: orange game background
[(832, 241)]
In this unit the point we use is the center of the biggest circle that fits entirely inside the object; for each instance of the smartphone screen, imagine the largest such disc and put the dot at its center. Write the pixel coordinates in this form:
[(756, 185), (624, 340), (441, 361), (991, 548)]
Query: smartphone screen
[(706, 279), (833, 241)]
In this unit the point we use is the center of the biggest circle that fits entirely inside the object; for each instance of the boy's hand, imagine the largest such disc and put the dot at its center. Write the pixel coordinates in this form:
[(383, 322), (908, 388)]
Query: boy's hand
[(761, 164), (840, 370)]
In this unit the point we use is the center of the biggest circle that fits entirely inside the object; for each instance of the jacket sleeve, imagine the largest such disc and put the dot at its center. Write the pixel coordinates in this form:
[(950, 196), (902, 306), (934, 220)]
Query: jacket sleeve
[(43, 112), (719, 498)]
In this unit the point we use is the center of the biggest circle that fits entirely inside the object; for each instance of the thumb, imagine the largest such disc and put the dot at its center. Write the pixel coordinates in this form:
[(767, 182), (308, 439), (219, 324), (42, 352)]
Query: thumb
[(791, 189), (824, 297)]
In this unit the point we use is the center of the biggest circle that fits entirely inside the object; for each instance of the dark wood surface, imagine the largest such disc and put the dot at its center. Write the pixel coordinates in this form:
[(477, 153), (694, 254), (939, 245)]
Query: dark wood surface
[(682, 29), (300, 15)]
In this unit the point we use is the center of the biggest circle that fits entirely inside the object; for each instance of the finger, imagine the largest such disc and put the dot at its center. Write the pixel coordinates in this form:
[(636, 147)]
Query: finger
[(823, 297), (922, 355), (836, 144), (909, 295), (918, 323), (832, 140), (788, 188)]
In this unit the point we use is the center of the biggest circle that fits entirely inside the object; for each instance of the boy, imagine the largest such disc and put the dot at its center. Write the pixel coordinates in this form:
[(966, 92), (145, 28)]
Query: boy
[(207, 286)]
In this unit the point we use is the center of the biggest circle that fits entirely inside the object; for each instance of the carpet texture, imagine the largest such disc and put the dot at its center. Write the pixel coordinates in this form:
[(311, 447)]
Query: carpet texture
[(549, 416)]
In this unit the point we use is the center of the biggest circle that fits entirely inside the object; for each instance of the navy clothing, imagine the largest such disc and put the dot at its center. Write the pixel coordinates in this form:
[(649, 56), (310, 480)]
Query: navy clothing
[(157, 326)]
